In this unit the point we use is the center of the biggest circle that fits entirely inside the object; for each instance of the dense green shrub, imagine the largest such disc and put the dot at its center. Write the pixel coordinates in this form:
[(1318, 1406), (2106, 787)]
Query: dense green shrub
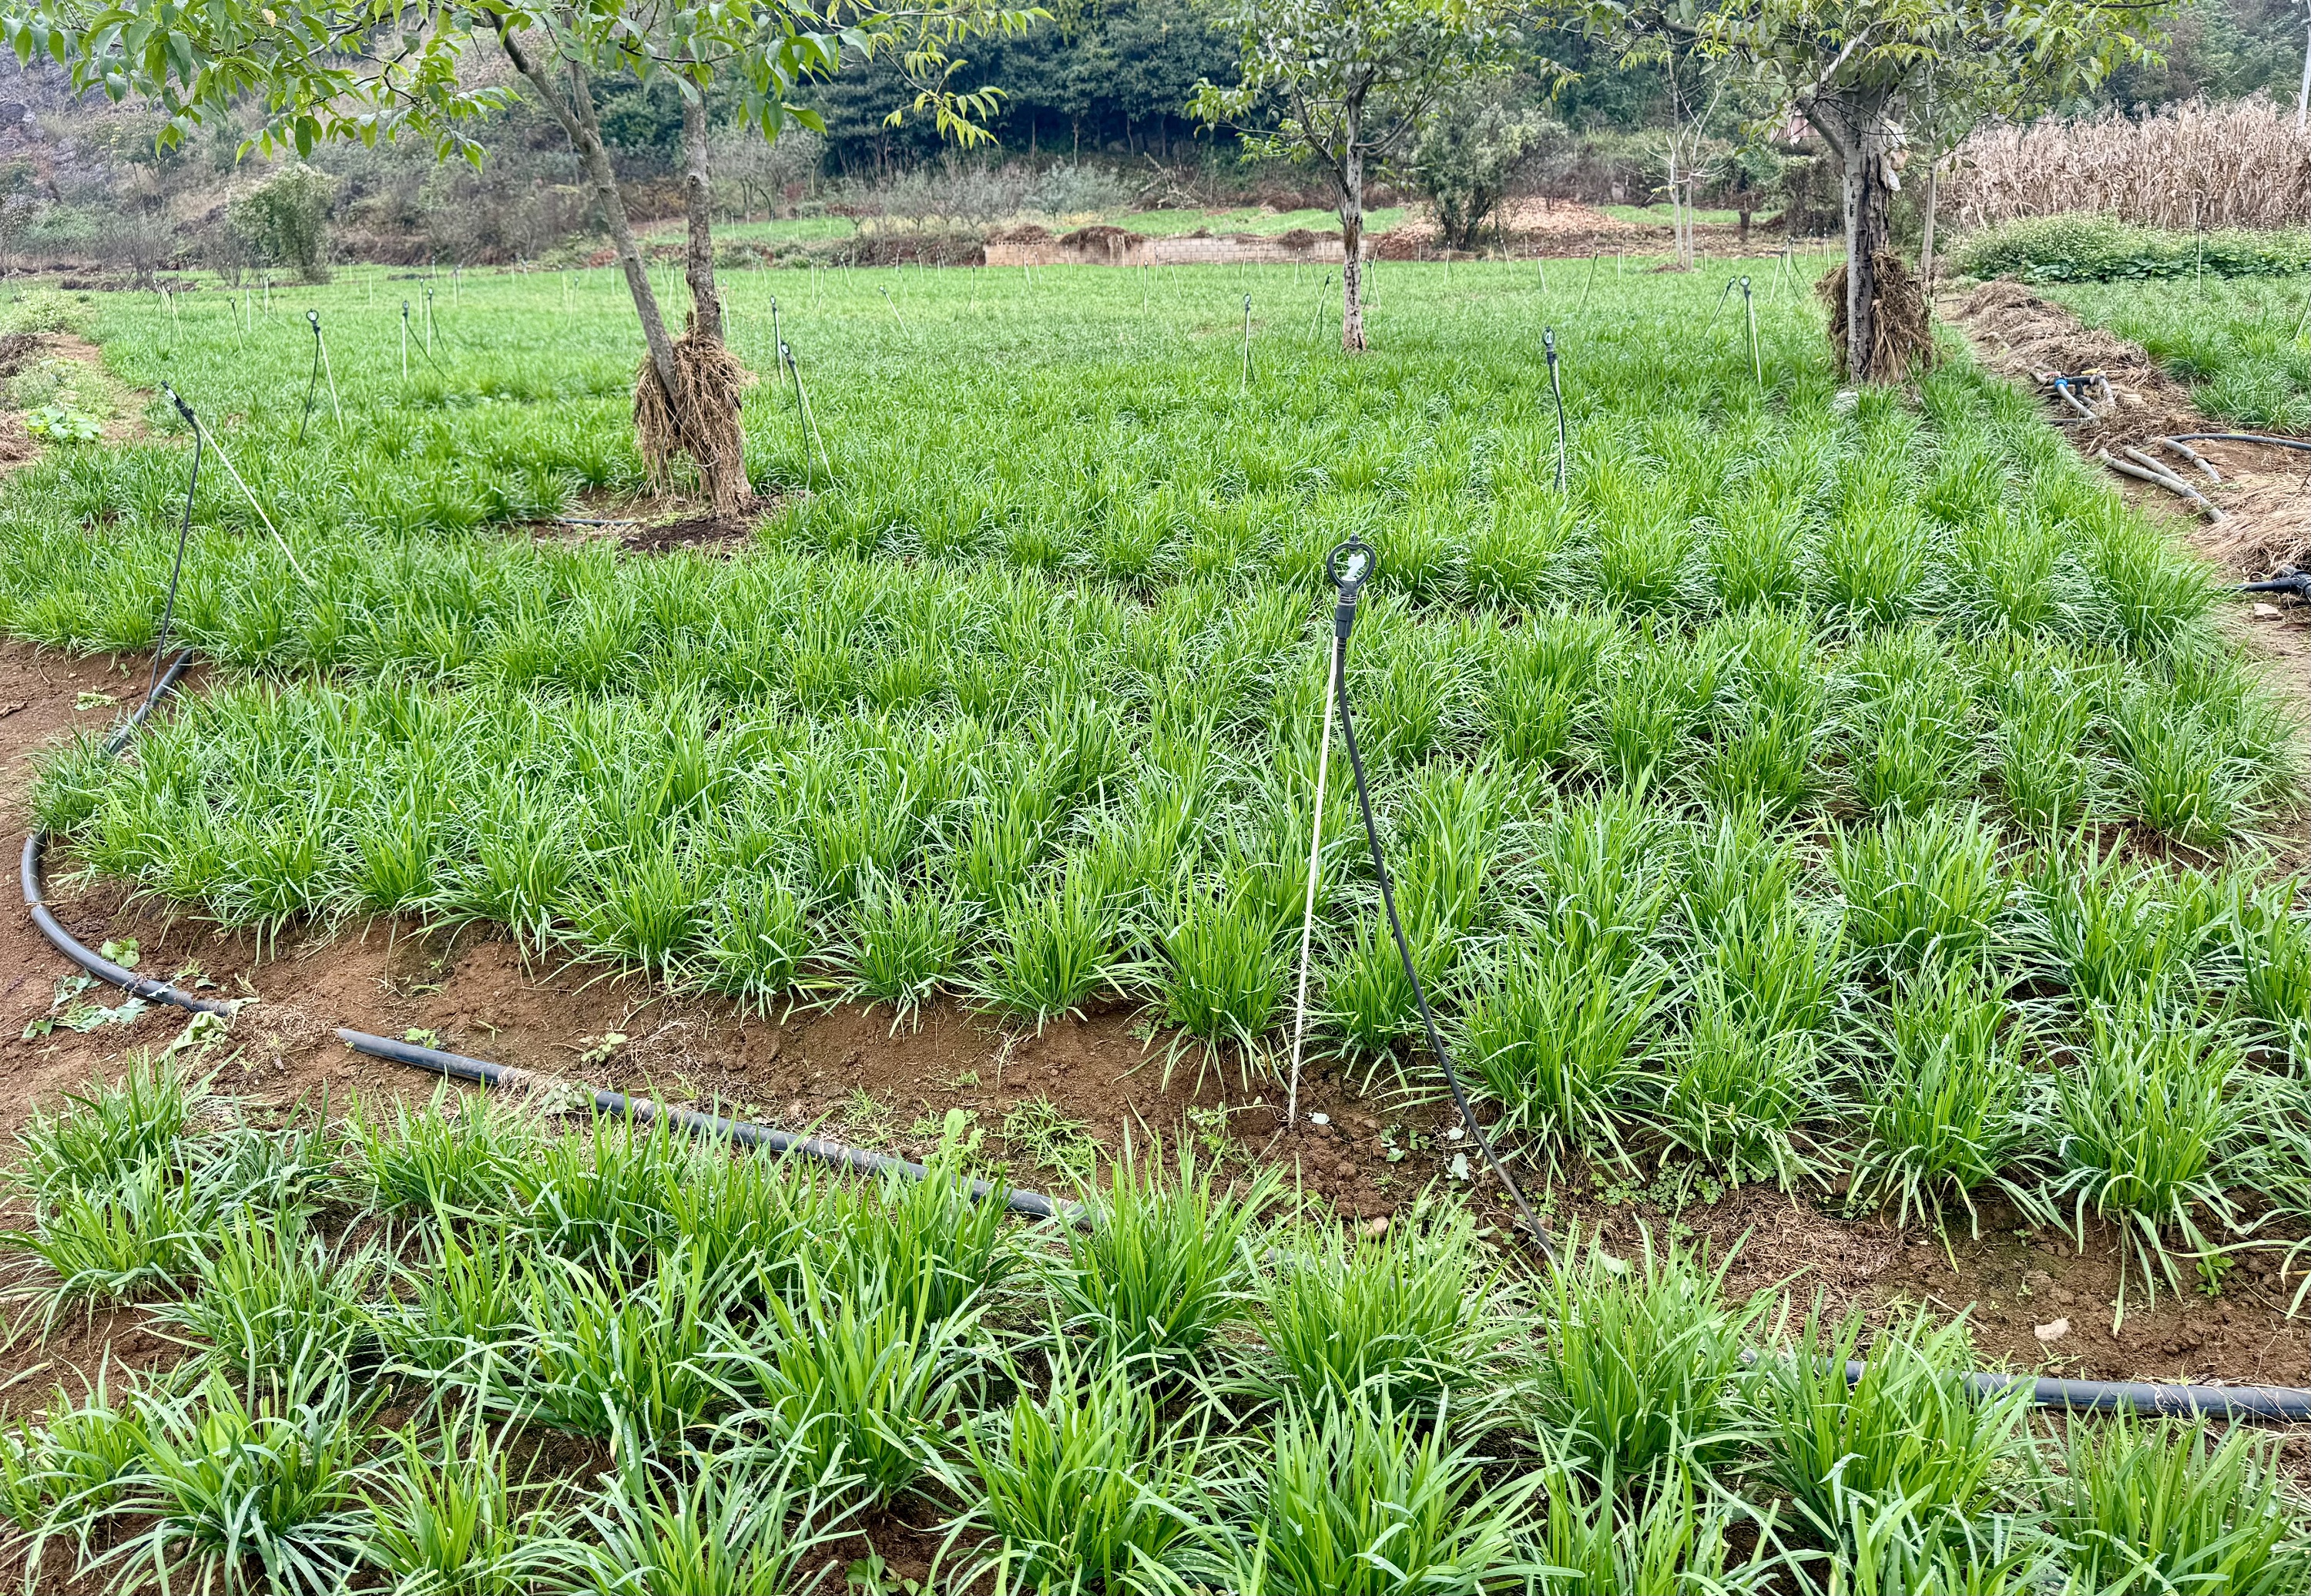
[(2085, 249), (284, 220)]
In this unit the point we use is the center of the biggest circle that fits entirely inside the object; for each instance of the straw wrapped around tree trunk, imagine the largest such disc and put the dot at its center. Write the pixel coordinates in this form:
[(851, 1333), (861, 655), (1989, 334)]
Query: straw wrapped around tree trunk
[(1904, 339), (700, 421)]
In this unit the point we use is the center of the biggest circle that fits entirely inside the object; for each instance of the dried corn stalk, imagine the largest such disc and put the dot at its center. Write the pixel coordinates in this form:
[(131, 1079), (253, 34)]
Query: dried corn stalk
[(2240, 165)]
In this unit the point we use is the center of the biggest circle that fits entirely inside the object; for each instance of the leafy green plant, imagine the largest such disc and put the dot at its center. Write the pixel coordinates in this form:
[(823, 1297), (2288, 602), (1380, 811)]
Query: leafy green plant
[(107, 1131), (1052, 950), (943, 1232), (1946, 1099), (1358, 1499), (901, 942), (1638, 1363), (857, 1386), (746, 1527), (2080, 248), (1410, 1317), (1555, 1039), (608, 1359), (606, 1196), (271, 1298), (448, 1516), (1737, 1089), (1921, 887), (2110, 934), (237, 1495), (1667, 1537), (1086, 1485), (2168, 1505), (61, 423), (1225, 971), (141, 1236), (1907, 1427), (2144, 1123), (459, 1155), (2274, 950), (1161, 1266)]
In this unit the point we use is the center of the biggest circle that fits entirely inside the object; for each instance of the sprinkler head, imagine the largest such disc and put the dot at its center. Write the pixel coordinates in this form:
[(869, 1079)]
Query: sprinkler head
[(313, 318), (177, 399), (1349, 565)]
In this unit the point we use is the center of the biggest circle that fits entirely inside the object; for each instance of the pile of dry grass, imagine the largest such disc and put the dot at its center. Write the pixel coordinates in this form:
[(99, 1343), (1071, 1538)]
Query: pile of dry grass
[(700, 421), (2242, 165)]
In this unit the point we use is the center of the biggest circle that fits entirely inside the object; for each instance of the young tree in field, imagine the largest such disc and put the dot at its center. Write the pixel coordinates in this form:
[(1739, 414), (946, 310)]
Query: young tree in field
[(1347, 83), (1857, 71), (1481, 138), (317, 70)]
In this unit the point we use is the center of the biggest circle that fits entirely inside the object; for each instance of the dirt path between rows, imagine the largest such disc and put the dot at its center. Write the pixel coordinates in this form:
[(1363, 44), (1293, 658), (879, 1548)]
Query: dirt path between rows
[(2266, 493)]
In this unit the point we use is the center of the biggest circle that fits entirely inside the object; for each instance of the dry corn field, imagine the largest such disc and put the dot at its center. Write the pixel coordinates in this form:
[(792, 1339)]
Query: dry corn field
[(2242, 165)]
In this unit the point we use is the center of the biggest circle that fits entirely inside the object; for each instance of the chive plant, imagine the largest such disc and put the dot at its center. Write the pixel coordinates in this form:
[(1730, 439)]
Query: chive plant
[(1794, 788)]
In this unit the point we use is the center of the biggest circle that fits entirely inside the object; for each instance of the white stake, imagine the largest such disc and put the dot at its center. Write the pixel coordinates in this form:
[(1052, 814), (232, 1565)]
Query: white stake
[(1308, 915)]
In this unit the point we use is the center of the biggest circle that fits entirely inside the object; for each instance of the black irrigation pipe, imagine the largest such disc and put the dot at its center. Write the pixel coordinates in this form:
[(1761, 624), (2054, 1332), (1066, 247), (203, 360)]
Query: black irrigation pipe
[(2281, 1403), (1350, 566), (87, 958), (2241, 438), (617, 1105)]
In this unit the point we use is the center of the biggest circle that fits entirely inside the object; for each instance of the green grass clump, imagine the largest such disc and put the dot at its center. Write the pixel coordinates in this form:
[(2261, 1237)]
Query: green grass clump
[(1638, 1362), (1906, 1430), (1086, 1484), (1945, 1099), (1412, 1316), (2168, 1505), (1162, 1266), (1357, 1498), (2144, 1123)]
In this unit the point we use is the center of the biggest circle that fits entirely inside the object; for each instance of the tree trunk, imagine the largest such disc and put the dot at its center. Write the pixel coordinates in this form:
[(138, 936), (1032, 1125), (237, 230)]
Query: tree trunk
[(1854, 123), (2303, 94), (1926, 242), (576, 115), (1745, 229), (1351, 177), (721, 450)]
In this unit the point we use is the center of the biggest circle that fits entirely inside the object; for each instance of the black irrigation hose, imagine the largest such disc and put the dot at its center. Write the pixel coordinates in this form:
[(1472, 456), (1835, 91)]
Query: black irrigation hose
[(176, 566), (312, 383), (1557, 391), (88, 959), (2243, 438), (2282, 1403), (1349, 565), (712, 1125)]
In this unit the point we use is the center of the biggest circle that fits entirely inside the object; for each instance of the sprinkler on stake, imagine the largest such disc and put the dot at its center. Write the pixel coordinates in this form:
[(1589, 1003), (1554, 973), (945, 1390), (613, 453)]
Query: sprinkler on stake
[(1556, 392), (1244, 382), (1350, 565), (312, 386), (1749, 306)]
